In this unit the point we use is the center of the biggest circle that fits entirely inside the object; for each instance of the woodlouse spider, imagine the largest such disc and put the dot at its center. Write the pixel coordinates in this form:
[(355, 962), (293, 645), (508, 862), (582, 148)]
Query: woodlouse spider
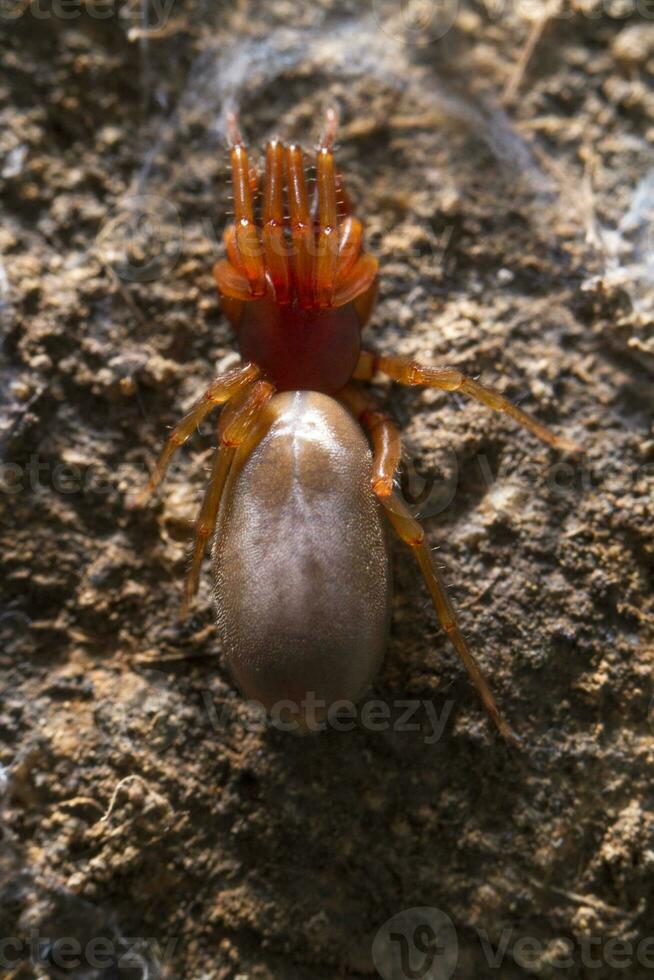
[(297, 493)]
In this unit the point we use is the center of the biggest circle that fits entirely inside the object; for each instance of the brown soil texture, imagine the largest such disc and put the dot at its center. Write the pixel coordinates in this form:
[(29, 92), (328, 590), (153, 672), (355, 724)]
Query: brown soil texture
[(511, 211)]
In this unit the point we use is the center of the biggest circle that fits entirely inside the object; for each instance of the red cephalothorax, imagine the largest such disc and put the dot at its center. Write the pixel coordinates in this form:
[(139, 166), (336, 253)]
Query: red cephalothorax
[(297, 288)]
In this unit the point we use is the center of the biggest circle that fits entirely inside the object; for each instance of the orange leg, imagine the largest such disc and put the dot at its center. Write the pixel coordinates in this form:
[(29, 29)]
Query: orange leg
[(206, 520), (386, 445), (218, 392), (386, 455), (409, 372), (413, 534), (233, 426)]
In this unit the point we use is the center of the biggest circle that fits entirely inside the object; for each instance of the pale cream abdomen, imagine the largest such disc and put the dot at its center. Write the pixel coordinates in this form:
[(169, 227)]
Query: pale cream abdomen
[(301, 566)]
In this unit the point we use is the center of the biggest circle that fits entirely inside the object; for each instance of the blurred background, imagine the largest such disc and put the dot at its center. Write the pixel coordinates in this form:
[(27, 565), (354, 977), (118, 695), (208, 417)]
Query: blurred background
[(500, 155)]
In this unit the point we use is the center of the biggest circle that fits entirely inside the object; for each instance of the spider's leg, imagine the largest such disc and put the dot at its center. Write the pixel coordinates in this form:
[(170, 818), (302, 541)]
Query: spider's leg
[(233, 426), (385, 438), (206, 520), (412, 533), (409, 372), (386, 454), (219, 391)]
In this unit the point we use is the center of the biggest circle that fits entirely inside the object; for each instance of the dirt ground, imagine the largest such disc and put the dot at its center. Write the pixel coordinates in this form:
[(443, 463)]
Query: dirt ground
[(508, 193)]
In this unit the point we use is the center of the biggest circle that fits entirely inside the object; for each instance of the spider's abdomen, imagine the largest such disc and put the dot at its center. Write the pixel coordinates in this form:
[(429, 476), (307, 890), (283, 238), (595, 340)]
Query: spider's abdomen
[(302, 579), (299, 348)]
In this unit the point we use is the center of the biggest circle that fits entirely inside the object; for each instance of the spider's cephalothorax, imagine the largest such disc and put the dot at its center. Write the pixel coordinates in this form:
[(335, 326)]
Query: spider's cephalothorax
[(296, 495), (297, 288)]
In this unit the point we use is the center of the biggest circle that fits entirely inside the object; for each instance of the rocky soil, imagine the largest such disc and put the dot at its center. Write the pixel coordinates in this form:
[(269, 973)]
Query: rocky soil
[(505, 175)]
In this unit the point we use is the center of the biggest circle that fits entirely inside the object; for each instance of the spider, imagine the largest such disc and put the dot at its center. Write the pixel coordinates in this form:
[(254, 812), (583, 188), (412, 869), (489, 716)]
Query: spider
[(305, 465)]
